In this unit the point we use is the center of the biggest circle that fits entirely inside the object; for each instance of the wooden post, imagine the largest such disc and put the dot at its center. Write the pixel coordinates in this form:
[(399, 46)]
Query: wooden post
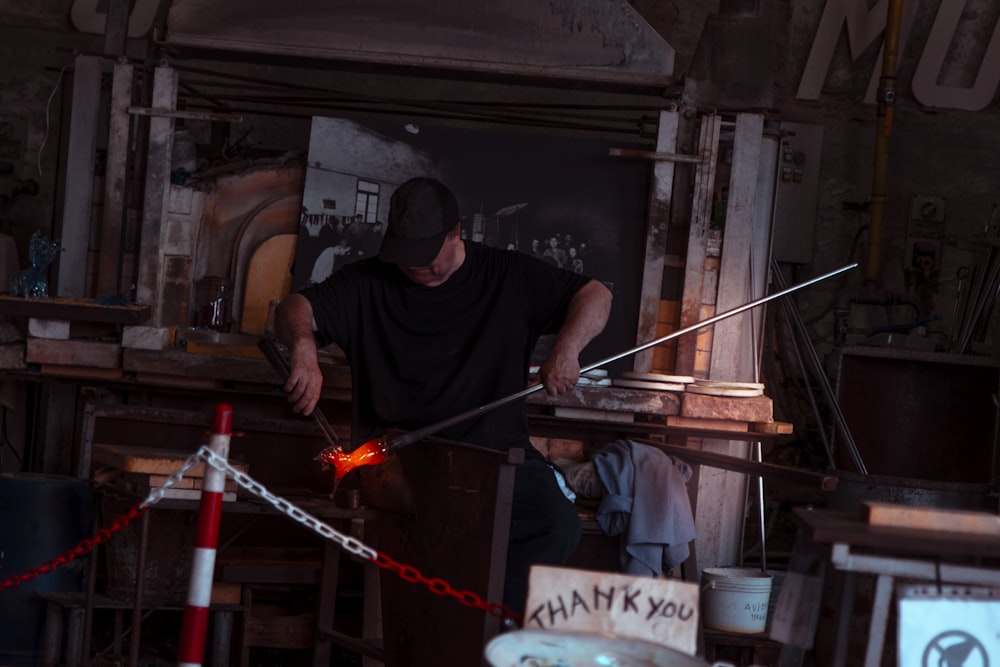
[(700, 274), (155, 204), (742, 271), (115, 182), (73, 229), (656, 236)]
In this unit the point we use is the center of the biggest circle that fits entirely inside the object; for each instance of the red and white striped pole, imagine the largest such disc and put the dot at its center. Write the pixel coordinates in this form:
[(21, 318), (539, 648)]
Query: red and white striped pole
[(194, 626)]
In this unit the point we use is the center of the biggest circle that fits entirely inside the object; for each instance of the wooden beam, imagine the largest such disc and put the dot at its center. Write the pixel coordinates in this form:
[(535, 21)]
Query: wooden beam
[(73, 228), (155, 203), (76, 353), (86, 310), (736, 340), (656, 237), (699, 273), (115, 179)]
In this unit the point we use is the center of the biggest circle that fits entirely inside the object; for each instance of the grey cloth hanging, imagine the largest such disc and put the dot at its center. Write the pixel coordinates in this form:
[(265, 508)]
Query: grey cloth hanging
[(647, 504)]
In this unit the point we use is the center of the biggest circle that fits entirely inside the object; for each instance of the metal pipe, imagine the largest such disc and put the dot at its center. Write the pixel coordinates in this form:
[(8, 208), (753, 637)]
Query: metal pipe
[(823, 481), (824, 382), (883, 128), (758, 454), (827, 447)]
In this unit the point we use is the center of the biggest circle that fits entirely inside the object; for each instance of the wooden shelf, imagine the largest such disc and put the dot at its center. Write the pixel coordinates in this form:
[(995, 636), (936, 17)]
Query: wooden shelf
[(83, 310)]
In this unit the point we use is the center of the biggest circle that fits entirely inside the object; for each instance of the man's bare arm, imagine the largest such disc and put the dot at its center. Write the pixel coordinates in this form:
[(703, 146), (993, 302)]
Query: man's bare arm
[(585, 318), (294, 324)]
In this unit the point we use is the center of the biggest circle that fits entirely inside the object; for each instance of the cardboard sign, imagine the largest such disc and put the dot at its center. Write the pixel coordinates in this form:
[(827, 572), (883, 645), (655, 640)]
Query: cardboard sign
[(953, 625), (664, 611)]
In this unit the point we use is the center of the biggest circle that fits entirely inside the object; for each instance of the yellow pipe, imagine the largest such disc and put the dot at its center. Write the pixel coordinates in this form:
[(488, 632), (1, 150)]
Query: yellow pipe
[(883, 129)]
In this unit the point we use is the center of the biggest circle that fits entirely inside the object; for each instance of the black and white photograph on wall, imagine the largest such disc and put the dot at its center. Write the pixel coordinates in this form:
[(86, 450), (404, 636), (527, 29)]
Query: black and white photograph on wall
[(563, 200)]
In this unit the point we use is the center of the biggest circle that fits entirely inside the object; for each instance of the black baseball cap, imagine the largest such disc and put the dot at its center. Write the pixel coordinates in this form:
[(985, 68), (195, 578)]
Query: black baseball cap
[(421, 213)]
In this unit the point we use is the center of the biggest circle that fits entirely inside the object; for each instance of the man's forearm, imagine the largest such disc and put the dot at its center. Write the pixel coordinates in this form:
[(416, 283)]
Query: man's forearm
[(294, 322), (585, 318), (294, 325)]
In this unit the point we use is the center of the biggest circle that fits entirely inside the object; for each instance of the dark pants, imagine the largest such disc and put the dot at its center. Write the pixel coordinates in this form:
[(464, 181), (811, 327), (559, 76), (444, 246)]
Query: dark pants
[(544, 530)]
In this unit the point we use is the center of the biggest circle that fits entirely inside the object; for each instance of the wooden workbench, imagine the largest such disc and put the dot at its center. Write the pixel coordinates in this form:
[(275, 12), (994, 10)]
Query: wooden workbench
[(239, 368)]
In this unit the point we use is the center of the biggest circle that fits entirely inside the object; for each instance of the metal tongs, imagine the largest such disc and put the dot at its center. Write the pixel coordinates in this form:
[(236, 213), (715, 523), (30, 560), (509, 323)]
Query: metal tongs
[(269, 345)]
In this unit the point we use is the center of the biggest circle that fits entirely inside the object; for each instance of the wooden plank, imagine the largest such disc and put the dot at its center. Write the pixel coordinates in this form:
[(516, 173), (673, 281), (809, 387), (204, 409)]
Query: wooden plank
[(742, 272), (180, 363), (559, 448), (636, 401), (774, 428), (708, 424), (67, 308), (115, 177), (95, 354), (151, 460), (237, 369), (223, 349), (70, 267), (81, 372), (188, 482), (156, 196), (656, 238), (179, 381), (753, 409), (929, 518), (696, 268)]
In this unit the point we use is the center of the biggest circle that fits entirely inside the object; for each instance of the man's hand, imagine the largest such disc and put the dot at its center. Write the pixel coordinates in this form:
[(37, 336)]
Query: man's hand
[(559, 373), (587, 314), (294, 325), (305, 380)]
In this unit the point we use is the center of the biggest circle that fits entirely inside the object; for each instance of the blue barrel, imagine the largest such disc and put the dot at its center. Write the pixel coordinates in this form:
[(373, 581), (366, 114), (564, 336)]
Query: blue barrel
[(41, 518)]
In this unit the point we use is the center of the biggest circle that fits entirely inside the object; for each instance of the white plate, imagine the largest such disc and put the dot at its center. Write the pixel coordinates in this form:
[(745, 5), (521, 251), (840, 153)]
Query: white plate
[(729, 391), (657, 377), (656, 386), (549, 648), (726, 384)]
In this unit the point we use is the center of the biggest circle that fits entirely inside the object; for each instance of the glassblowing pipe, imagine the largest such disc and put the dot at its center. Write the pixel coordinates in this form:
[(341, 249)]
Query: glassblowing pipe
[(883, 129), (377, 450)]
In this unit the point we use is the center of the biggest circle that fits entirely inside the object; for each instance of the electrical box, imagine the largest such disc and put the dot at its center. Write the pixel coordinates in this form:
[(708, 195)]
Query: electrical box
[(796, 192), (924, 235)]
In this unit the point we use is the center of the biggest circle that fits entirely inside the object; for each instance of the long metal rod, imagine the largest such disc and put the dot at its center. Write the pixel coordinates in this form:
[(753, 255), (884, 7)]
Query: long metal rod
[(269, 346), (758, 456), (421, 433)]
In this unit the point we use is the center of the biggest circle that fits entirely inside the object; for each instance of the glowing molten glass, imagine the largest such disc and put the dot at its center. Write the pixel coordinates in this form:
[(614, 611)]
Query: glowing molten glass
[(371, 453)]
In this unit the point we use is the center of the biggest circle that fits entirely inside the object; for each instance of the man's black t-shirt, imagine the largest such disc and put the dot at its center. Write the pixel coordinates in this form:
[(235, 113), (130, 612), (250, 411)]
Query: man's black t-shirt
[(419, 355)]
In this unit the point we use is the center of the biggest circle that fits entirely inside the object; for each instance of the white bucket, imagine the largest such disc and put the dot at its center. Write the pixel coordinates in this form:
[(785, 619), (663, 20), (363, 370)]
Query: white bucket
[(735, 599)]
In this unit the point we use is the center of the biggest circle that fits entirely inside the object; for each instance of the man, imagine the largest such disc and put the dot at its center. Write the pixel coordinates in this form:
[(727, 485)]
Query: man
[(434, 327)]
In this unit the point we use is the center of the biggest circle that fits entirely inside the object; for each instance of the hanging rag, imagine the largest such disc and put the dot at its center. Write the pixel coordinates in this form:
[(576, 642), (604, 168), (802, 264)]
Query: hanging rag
[(647, 504)]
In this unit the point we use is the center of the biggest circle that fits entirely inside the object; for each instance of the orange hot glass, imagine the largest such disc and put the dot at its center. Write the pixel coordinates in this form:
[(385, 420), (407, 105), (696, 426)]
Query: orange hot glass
[(371, 453)]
